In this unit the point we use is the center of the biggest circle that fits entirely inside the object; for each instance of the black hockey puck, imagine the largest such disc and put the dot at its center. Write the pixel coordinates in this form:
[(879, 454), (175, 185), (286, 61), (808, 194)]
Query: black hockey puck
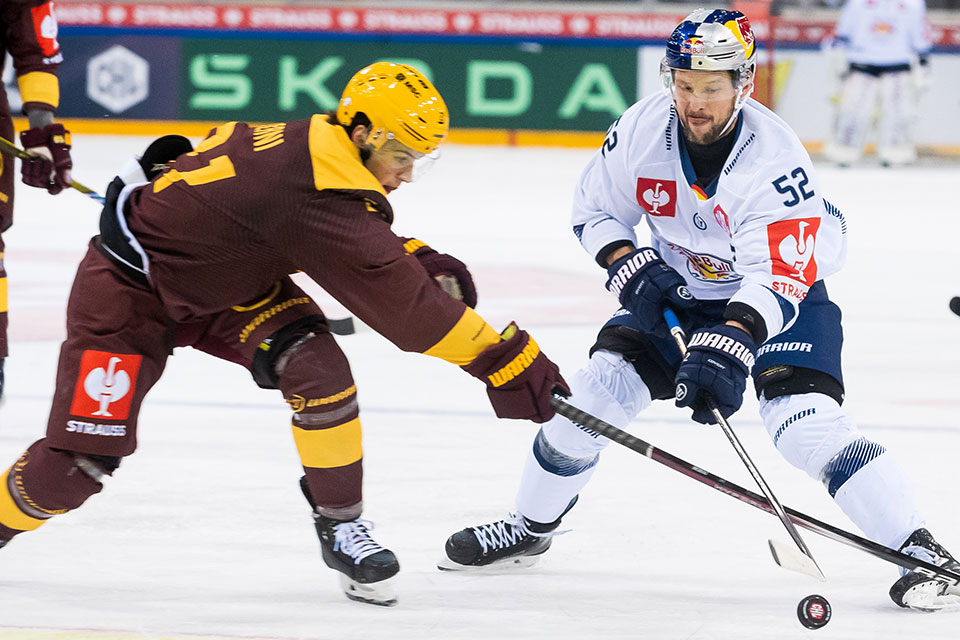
[(955, 305), (814, 612), (341, 326)]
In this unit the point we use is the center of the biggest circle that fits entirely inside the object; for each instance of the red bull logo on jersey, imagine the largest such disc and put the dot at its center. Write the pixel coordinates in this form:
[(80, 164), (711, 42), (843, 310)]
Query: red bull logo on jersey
[(792, 244), (882, 28), (105, 385), (707, 268), (657, 197)]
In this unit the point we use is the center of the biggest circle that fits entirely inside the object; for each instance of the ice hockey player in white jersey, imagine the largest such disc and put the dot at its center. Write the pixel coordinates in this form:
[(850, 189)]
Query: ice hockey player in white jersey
[(887, 46), (741, 239)]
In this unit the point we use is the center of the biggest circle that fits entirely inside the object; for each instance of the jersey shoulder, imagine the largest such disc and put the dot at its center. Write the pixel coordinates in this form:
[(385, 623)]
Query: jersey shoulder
[(648, 130), (766, 142), (336, 160)]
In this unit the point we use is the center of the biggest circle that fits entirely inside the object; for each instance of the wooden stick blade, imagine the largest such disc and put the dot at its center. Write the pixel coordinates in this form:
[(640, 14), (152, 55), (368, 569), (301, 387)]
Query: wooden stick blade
[(791, 558)]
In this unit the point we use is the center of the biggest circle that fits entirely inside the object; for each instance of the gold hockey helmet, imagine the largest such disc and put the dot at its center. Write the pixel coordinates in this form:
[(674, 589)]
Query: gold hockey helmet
[(401, 104)]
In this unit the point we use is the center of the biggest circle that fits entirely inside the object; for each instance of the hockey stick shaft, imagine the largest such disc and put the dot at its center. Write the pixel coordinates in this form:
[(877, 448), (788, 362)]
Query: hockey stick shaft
[(677, 332), (8, 147), (734, 490)]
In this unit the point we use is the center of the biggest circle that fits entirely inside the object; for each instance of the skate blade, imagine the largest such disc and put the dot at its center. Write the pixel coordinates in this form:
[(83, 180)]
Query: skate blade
[(379, 593), (926, 597), (507, 564)]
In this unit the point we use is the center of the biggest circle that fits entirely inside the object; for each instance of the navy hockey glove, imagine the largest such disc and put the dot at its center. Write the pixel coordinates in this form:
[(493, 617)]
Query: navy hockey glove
[(645, 285), (50, 167), (717, 364), (450, 274)]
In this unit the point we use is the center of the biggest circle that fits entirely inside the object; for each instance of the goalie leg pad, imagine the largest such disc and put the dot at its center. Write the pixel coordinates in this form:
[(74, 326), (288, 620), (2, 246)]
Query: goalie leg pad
[(856, 110)]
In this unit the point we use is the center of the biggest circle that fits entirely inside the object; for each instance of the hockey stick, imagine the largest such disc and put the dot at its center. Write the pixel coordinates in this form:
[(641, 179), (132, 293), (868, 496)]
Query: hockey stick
[(9, 147), (733, 490), (781, 555)]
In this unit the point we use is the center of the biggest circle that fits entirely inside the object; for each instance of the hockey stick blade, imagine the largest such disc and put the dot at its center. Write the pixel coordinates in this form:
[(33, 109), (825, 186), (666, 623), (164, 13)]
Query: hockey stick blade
[(9, 147), (734, 490), (792, 559)]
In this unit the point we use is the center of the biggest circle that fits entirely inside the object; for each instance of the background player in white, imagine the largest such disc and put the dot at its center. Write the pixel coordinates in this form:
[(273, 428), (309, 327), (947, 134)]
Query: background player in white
[(741, 239), (887, 46)]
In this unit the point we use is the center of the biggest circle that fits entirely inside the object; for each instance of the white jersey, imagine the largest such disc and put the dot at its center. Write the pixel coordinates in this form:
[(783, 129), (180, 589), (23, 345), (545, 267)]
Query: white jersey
[(761, 234), (883, 32)]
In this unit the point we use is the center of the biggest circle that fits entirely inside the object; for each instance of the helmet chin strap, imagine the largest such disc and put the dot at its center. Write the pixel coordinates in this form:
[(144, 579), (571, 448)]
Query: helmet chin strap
[(742, 96)]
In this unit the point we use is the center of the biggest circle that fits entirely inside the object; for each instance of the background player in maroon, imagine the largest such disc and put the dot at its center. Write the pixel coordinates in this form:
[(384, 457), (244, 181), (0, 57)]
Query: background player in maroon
[(197, 253), (28, 32)]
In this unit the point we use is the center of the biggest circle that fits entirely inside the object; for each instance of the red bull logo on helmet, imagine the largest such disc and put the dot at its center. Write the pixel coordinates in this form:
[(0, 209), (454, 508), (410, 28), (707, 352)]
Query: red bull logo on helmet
[(692, 45), (742, 30)]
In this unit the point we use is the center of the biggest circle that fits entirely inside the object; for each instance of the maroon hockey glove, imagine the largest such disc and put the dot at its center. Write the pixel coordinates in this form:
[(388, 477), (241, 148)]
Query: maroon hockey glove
[(50, 168), (519, 377), (450, 274)]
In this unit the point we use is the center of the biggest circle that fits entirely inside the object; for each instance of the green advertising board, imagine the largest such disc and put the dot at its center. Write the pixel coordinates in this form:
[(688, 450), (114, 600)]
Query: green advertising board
[(533, 86)]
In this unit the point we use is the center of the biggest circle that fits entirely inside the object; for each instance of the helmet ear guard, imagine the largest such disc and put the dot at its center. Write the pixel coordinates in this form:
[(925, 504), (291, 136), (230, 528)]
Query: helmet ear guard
[(399, 104)]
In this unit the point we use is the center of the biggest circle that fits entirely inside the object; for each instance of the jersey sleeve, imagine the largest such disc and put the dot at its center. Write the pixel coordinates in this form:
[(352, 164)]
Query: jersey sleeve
[(31, 39), (603, 211), (355, 256), (777, 234), (920, 37), (845, 24)]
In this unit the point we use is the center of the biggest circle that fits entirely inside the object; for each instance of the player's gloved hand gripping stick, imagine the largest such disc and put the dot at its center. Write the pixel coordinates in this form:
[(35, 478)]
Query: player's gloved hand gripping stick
[(784, 556), (8, 147)]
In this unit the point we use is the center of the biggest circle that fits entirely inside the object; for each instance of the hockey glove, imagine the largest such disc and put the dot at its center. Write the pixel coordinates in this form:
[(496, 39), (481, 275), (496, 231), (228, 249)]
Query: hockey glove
[(50, 168), (450, 274), (717, 364), (519, 377), (645, 284)]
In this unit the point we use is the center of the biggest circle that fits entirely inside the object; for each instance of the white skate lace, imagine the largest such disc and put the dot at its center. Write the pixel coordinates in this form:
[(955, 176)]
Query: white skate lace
[(353, 539), (507, 532)]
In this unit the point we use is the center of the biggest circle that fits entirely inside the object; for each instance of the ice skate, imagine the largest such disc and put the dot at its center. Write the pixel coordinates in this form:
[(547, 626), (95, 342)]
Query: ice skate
[(514, 542), (365, 566), (347, 546), (917, 591)]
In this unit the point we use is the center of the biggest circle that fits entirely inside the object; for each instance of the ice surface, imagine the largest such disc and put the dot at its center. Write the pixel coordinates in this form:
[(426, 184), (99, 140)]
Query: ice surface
[(203, 532)]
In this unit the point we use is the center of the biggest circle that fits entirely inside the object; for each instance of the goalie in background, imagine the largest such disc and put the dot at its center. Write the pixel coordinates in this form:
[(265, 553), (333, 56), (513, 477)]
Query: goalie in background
[(887, 47), (29, 31), (741, 239), (195, 249)]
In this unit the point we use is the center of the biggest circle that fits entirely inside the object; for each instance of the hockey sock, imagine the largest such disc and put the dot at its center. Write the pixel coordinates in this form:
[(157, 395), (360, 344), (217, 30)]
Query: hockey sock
[(812, 432), (564, 455)]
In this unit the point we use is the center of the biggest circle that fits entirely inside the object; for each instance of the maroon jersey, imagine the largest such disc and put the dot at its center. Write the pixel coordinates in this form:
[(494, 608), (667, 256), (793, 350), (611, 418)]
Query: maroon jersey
[(28, 31), (253, 204)]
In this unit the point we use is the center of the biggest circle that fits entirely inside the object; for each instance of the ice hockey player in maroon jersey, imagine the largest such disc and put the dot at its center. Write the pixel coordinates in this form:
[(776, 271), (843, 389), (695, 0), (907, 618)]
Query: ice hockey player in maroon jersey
[(28, 32), (196, 252)]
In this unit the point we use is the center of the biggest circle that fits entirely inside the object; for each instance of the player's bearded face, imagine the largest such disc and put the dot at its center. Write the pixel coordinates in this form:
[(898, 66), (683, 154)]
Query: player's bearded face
[(395, 163), (705, 101)]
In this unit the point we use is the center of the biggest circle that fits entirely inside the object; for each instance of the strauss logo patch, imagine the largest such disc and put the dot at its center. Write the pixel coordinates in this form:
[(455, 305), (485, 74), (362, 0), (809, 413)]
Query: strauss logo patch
[(792, 244), (657, 197)]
